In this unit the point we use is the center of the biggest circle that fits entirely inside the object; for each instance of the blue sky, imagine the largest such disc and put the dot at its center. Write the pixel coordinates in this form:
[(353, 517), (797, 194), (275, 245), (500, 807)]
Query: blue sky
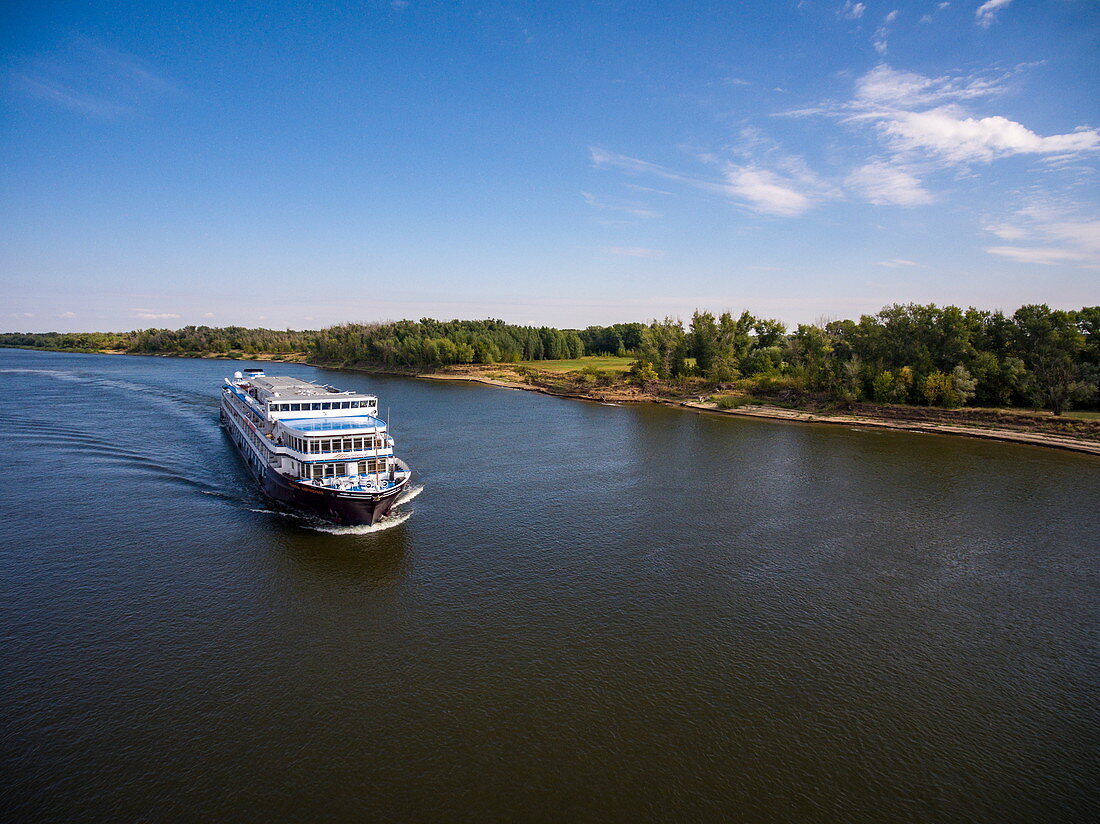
[(568, 163)]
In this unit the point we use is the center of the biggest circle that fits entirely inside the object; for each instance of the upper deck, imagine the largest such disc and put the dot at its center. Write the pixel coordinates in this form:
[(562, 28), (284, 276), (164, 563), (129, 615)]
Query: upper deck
[(341, 426), (281, 396)]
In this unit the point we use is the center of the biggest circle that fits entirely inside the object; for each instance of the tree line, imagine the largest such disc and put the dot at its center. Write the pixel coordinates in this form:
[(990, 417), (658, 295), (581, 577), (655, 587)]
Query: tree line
[(190, 340), (911, 353), (431, 343)]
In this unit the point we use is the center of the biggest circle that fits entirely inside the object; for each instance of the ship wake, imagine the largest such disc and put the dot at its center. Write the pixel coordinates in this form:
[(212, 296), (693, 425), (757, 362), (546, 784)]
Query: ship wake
[(389, 522), (408, 495)]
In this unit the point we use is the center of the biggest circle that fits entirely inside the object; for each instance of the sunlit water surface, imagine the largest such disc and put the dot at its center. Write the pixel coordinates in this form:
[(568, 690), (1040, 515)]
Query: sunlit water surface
[(588, 613)]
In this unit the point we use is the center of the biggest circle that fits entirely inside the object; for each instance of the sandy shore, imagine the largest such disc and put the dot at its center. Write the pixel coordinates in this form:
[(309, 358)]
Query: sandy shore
[(776, 413), (793, 415)]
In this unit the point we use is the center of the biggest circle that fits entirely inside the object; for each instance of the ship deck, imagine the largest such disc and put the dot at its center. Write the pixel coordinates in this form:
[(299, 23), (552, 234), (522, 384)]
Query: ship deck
[(356, 483), (347, 424)]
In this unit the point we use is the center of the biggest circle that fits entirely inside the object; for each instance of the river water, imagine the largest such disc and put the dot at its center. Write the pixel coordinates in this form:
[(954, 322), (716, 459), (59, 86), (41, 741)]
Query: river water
[(589, 613)]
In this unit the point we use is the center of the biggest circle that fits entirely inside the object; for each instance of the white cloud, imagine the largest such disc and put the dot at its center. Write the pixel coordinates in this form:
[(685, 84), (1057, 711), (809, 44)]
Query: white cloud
[(1070, 238), (149, 314), (67, 97), (208, 314), (788, 192), (897, 263), (928, 18), (918, 114), (1083, 233), (632, 208), (883, 89), (67, 315), (852, 11), (633, 251), (1005, 231), (765, 191), (987, 12), (884, 184), (1041, 255), (728, 81), (949, 133), (883, 32), (85, 75), (603, 159)]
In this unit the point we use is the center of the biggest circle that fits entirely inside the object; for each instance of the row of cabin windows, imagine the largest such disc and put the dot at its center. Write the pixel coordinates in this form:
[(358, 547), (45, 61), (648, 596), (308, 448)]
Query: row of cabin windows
[(318, 406), (331, 470), (337, 444)]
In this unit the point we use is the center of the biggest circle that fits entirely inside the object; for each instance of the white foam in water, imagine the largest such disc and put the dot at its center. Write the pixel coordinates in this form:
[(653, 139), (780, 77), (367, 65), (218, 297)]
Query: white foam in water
[(409, 495), (389, 521)]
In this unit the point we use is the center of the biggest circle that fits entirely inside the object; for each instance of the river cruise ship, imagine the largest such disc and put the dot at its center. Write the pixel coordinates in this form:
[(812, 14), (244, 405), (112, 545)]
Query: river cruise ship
[(314, 447)]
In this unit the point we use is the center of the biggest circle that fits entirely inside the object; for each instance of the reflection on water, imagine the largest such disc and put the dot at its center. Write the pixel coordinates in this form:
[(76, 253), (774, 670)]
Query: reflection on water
[(590, 612)]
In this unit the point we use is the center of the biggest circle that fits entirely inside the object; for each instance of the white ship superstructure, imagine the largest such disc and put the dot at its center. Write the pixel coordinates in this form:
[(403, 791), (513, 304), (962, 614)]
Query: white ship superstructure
[(314, 446)]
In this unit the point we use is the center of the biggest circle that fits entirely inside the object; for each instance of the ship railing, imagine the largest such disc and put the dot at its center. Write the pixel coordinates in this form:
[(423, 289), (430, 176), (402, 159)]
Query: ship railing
[(368, 481)]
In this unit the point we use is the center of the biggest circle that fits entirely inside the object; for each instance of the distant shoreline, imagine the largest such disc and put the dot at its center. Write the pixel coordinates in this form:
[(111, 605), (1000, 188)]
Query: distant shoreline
[(749, 410), (775, 413)]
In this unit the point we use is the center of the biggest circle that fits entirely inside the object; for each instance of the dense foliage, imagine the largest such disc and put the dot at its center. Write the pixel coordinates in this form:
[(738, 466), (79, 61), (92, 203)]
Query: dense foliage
[(942, 356), (429, 343), (904, 354), (618, 339), (190, 340)]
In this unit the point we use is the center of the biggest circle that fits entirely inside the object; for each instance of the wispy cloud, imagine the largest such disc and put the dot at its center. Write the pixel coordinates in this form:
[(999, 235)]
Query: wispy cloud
[(949, 133), (765, 191), (67, 315), (986, 13), (852, 11), (1041, 255), (633, 251), (883, 183), (1067, 235), (878, 40), (897, 263), (728, 82), (149, 314), (884, 89), (924, 115), (923, 125), (788, 189), (930, 17), (628, 207), (1005, 231), (66, 97), (86, 76)]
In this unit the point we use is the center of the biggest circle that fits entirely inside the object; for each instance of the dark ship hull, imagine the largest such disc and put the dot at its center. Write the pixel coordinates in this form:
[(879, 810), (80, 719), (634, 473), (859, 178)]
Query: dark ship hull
[(338, 506), (346, 508)]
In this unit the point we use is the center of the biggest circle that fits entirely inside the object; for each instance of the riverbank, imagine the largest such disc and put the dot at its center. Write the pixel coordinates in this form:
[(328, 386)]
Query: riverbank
[(999, 425), (777, 413), (1017, 426)]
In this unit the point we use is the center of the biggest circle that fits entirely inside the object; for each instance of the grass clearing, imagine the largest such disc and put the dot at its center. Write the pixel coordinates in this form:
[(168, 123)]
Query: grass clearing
[(1083, 415), (608, 362)]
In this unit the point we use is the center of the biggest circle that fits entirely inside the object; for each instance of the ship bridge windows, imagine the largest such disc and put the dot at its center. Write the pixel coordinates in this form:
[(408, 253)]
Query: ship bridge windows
[(331, 470), (322, 406), (358, 443)]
